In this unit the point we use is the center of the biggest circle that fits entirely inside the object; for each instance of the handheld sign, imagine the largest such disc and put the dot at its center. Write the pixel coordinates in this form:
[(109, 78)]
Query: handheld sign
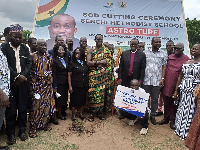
[(131, 101)]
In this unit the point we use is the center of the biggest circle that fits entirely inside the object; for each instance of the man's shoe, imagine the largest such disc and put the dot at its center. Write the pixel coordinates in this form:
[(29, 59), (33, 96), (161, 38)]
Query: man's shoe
[(143, 131), (159, 113), (153, 120), (11, 140), (54, 121), (4, 147), (172, 125), (163, 122), (23, 136), (2, 129), (64, 114)]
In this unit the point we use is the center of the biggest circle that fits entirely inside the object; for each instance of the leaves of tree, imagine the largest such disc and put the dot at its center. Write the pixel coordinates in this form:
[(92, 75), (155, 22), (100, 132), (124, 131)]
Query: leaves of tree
[(193, 30), (26, 34)]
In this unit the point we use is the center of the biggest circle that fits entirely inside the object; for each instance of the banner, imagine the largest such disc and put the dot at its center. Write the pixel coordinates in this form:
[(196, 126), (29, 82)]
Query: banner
[(131, 101), (118, 21)]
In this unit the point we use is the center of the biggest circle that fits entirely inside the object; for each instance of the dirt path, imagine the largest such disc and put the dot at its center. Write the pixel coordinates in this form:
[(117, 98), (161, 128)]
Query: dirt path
[(111, 134)]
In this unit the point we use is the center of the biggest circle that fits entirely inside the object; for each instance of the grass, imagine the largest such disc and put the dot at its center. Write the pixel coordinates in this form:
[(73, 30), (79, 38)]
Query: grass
[(45, 140), (149, 142)]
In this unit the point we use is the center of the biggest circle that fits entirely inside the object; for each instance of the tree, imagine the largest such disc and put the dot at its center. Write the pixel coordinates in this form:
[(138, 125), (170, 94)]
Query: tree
[(193, 30), (26, 34)]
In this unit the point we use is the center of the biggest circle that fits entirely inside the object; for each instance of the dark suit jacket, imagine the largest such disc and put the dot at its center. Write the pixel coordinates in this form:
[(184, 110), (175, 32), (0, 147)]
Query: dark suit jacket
[(79, 76), (25, 60), (139, 66), (51, 52), (60, 73), (19, 95)]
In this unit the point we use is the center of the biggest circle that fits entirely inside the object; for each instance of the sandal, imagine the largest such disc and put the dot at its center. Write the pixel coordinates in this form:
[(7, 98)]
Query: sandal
[(32, 133), (91, 118), (101, 117)]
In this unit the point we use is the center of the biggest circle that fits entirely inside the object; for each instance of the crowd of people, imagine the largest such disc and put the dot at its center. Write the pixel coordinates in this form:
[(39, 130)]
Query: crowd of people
[(40, 80)]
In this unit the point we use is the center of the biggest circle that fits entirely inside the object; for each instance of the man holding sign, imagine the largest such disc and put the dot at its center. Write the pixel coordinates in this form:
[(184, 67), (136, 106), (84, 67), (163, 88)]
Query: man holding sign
[(134, 84)]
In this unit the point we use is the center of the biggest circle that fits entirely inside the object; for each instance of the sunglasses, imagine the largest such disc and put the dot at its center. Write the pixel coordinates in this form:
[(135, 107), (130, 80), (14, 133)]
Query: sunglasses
[(178, 48), (194, 49)]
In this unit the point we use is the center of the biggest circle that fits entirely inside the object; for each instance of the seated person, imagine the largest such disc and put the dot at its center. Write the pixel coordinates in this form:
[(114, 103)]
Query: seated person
[(134, 84)]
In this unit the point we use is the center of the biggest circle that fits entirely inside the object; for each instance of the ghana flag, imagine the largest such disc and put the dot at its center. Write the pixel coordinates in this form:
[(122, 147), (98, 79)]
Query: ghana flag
[(49, 8)]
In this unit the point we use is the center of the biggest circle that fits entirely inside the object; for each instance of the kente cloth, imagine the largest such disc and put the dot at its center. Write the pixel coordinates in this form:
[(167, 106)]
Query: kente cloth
[(86, 50), (110, 89), (99, 77), (43, 103)]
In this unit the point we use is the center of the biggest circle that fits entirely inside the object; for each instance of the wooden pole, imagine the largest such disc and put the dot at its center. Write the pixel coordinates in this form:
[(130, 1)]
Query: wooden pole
[(115, 82), (185, 29), (34, 22)]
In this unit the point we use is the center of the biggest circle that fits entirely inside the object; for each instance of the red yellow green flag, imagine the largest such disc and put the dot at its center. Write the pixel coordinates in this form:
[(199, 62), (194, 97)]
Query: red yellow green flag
[(47, 11)]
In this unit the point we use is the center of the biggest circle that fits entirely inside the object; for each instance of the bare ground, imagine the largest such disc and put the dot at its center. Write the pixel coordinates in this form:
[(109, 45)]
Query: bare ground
[(110, 134)]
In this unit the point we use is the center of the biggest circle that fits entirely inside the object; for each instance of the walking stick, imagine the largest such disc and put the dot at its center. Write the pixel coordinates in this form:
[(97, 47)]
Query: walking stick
[(115, 82)]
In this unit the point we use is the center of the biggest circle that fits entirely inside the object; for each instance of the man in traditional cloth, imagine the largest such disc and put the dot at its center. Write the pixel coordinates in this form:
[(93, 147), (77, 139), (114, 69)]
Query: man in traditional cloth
[(43, 103), (19, 62), (4, 90), (99, 60), (170, 50)]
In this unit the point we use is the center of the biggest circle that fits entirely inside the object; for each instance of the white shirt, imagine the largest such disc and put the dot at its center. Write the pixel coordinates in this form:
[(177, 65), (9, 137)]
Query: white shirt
[(16, 50)]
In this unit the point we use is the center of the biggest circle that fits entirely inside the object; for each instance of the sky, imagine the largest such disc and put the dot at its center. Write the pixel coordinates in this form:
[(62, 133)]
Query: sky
[(23, 11)]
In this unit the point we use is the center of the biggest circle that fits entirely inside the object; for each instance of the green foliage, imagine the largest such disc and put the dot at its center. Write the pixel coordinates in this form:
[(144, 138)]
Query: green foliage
[(193, 30), (26, 34)]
